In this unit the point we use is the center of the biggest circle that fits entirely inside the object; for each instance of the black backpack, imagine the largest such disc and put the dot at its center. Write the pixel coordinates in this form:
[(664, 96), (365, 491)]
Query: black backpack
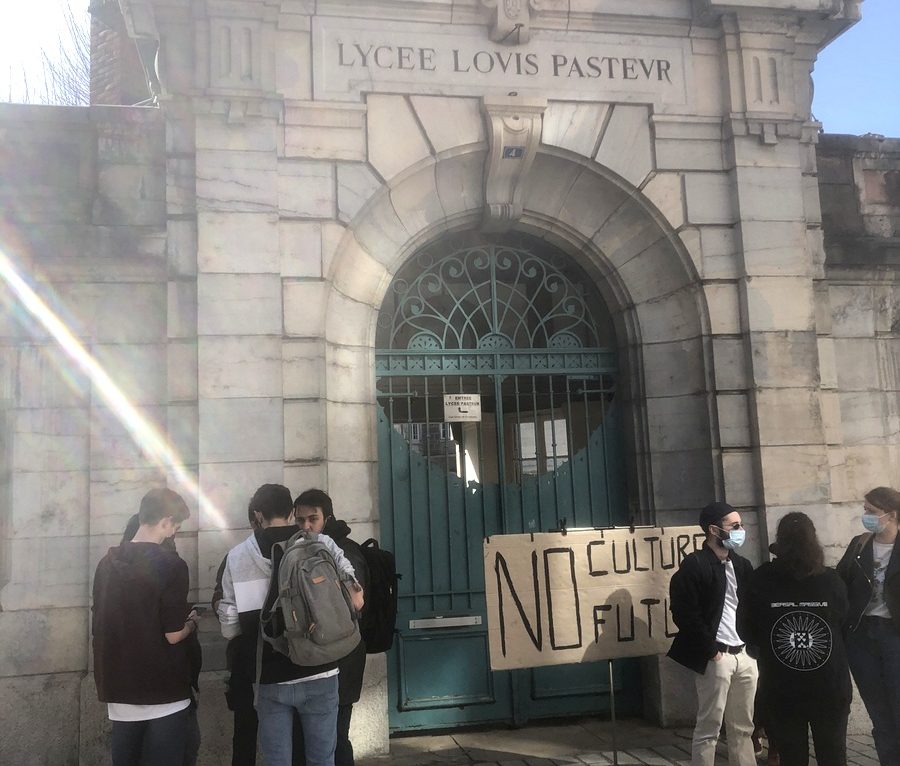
[(379, 615)]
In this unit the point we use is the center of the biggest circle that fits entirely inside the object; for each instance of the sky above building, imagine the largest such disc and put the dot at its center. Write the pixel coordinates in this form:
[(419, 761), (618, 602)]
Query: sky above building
[(856, 84)]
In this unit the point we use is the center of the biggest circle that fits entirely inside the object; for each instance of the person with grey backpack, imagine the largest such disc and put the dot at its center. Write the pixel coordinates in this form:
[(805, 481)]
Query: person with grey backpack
[(293, 659)]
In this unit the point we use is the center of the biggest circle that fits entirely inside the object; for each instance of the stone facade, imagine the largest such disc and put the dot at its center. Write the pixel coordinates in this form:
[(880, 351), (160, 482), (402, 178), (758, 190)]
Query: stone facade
[(225, 257)]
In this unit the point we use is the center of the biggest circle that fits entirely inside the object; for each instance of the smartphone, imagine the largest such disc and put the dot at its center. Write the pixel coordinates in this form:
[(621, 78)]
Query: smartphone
[(200, 609)]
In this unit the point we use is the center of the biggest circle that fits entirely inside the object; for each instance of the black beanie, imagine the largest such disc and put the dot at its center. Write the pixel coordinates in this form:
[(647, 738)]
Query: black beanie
[(713, 514)]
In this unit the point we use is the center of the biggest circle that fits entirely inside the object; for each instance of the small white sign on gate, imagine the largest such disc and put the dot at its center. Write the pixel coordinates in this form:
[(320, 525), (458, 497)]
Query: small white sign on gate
[(462, 407)]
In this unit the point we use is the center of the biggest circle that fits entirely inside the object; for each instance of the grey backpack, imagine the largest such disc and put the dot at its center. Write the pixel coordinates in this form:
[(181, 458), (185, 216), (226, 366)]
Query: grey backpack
[(308, 614)]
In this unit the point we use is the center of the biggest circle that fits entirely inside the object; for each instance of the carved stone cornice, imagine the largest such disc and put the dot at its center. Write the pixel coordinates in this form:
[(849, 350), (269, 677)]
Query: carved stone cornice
[(512, 23), (514, 133)]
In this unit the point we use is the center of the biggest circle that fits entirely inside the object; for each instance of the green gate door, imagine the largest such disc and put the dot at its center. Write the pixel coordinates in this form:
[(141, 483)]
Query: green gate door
[(517, 324)]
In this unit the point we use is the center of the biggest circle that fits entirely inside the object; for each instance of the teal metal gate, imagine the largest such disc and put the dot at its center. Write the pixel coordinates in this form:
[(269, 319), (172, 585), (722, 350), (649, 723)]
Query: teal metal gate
[(517, 325)]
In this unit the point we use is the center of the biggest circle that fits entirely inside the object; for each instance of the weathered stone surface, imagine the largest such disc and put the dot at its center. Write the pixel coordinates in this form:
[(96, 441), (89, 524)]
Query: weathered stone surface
[(779, 303), (237, 181), (450, 122), (239, 366), (115, 495), (300, 246), (394, 139), (351, 436), (731, 363), (246, 304), (325, 131), (306, 189), (665, 191), (239, 430), (724, 306), (238, 243), (356, 183), (784, 358), (303, 369), (42, 641), (44, 573), (788, 416), (40, 697), (304, 431), (734, 420), (740, 475), (795, 474), (678, 423), (709, 198), (674, 369), (229, 487), (574, 126), (304, 307), (626, 147), (352, 486)]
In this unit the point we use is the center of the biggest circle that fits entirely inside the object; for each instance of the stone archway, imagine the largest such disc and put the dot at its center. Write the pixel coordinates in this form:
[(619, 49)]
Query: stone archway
[(640, 266)]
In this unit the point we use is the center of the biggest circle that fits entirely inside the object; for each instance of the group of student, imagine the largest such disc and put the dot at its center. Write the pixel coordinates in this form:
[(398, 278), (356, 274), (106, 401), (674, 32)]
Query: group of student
[(774, 648), (147, 656)]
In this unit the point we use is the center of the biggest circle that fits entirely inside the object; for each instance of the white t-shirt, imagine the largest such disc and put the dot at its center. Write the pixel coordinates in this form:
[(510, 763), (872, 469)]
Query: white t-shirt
[(727, 632), (881, 552), (316, 677), (120, 711)]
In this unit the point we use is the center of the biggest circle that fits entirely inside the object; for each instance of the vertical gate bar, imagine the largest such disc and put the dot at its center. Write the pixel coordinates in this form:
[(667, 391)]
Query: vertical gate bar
[(609, 519), (553, 444), (431, 535), (449, 510), (588, 454), (537, 453), (501, 462), (464, 481), (570, 447), (517, 447), (416, 586)]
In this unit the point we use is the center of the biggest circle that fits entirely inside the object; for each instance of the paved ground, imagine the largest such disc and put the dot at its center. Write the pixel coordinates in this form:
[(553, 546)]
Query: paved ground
[(584, 741)]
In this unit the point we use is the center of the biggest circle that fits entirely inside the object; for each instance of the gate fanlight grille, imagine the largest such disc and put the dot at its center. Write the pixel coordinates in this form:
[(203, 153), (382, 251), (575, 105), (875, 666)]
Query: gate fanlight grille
[(491, 298)]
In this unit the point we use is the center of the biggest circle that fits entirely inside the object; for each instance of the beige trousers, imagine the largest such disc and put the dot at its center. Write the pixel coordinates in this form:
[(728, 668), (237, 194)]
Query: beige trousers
[(725, 694)]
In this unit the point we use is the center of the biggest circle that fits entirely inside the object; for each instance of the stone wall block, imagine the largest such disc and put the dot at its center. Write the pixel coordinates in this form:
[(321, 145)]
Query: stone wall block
[(626, 145), (784, 358), (129, 195), (574, 126), (239, 304), (731, 364), (864, 417), (251, 135), (549, 184), (459, 184), (780, 303), (45, 573), (181, 248), (300, 245), (356, 184), (129, 313), (236, 181), (382, 234), (182, 430), (46, 697), (293, 55), (50, 439), (349, 322), (682, 479), (44, 377), (829, 402), (301, 476), (770, 194), (351, 432), (724, 305), (306, 189), (625, 235), (48, 503), (325, 131), (450, 122), (303, 363), (182, 310), (394, 139), (138, 371), (353, 488), (304, 308), (720, 252), (349, 374), (710, 198), (115, 496), (417, 202), (671, 317), (678, 423), (734, 420), (888, 356), (181, 189), (239, 366), (852, 311), (181, 368), (795, 474), (739, 473), (333, 234), (689, 154), (776, 248), (857, 469), (666, 192), (590, 199), (241, 430), (856, 360), (788, 416), (238, 243), (674, 368), (827, 364), (228, 487), (304, 431), (112, 445), (654, 273)]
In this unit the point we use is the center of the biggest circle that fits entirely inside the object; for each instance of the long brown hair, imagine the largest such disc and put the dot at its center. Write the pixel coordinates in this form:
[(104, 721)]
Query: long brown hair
[(797, 545), (884, 498)]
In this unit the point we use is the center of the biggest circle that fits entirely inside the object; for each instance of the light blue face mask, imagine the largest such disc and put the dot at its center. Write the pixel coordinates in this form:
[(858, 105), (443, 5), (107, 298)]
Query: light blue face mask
[(735, 539), (873, 523)]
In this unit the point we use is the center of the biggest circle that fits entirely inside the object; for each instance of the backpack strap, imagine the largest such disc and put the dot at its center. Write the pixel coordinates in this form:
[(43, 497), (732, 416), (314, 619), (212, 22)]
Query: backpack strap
[(861, 542), (268, 614)]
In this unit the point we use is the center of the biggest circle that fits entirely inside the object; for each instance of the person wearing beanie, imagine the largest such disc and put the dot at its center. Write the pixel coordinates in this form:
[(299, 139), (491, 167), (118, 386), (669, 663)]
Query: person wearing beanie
[(704, 595)]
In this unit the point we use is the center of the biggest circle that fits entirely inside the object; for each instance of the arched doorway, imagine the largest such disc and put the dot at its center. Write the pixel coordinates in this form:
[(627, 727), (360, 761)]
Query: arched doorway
[(515, 326)]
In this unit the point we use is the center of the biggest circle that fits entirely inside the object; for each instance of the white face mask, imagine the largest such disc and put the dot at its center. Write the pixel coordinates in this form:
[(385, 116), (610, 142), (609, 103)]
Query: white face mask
[(873, 522), (735, 539)]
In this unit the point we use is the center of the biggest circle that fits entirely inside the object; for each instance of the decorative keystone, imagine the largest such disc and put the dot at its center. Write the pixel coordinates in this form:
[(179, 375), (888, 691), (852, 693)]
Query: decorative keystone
[(511, 26), (514, 133)]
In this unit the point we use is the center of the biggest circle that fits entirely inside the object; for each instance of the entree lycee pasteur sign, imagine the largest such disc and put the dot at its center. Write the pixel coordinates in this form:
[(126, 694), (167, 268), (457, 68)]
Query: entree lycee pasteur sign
[(555, 599), (352, 56)]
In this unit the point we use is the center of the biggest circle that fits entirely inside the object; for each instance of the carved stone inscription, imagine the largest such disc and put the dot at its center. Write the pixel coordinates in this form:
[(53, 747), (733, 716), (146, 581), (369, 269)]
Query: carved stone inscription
[(353, 58)]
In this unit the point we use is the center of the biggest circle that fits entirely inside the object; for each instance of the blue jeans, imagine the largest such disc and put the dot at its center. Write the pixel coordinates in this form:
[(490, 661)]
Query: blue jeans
[(157, 742), (316, 703), (873, 650)]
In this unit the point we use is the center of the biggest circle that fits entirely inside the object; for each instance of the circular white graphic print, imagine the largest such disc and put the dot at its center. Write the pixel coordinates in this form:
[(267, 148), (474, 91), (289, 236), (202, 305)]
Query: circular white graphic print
[(801, 640)]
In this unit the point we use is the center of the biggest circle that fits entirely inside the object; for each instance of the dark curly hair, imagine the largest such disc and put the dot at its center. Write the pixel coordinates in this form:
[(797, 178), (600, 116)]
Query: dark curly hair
[(797, 546)]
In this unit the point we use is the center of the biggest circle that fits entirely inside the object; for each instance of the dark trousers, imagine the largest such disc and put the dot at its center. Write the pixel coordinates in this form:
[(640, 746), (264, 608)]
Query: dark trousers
[(874, 653), (790, 729), (192, 737), (343, 751), (157, 742), (243, 740)]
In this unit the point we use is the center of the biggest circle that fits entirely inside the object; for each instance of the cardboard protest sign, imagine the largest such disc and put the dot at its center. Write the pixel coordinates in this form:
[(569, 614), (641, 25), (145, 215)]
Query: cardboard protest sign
[(554, 598)]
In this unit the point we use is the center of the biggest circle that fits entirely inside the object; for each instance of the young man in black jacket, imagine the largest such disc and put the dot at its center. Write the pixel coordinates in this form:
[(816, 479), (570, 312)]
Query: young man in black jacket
[(314, 513), (140, 623), (704, 595)]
